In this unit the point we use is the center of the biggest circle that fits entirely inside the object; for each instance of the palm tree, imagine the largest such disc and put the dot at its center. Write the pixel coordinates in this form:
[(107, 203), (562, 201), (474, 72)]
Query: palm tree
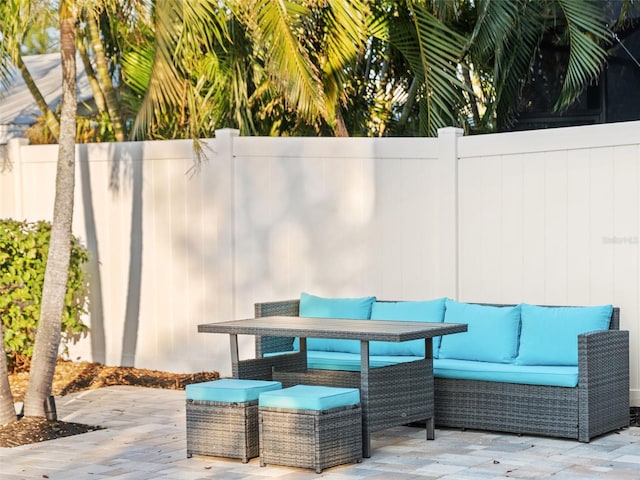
[(7, 410), (452, 48), (506, 39), (102, 85), (16, 17), (47, 342), (433, 51), (308, 49), (385, 67), (249, 64)]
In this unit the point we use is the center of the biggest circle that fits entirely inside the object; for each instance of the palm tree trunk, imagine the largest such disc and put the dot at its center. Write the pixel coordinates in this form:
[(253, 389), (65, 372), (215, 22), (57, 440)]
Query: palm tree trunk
[(102, 70), (341, 129), (50, 119), (98, 96), (408, 105), (472, 99), (48, 335), (7, 410)]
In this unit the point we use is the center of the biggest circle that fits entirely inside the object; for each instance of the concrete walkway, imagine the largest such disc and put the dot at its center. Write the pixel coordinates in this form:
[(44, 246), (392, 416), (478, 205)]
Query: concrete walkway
[(144, 438)]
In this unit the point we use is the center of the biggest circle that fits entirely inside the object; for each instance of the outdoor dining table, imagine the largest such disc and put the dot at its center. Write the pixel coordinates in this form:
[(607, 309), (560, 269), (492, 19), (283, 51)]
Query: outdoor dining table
[(390, 395)]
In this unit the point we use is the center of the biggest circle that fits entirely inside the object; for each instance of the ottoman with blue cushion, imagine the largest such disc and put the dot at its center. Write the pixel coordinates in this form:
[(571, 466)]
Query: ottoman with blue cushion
[(222, 417), (310, 427)]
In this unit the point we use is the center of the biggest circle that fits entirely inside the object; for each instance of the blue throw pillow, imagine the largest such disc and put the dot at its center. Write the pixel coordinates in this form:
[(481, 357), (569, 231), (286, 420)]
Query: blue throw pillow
[(550, 334), (320, 307), (354, 308), (426, 311), (492, 334)]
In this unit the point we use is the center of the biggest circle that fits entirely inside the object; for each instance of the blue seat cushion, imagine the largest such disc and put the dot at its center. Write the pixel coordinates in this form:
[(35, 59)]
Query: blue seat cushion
[(492, 334), (348, 361), (351, 361), (320, 307), (538, 346), (555, 376), (310, 397), (230, 390), (424, 311)]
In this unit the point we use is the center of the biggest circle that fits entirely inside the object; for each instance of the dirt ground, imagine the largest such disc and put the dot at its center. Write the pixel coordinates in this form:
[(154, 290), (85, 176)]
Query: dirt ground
[(72, 377)]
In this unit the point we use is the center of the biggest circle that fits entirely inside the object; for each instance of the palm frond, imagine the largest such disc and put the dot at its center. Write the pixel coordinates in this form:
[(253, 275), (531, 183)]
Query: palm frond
[(15, 16), (345, 36), (179, 44), (495, 23), (514, 57), (435, 61), (288, 63), (587, 31), (137, 64), (204, 23), (165, 82)]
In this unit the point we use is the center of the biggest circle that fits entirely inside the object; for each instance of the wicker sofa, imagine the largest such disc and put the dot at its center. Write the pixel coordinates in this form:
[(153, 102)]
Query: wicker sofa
[(513, 400)]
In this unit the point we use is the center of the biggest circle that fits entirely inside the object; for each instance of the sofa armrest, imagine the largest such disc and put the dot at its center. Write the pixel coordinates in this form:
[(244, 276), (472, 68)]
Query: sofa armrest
[(270, 309), (603, 382), (282, 307)]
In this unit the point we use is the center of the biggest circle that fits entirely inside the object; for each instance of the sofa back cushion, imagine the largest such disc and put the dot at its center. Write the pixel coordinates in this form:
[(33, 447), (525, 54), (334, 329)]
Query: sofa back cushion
[(492, 334), (425, 311), (550, 334), (320, 307)]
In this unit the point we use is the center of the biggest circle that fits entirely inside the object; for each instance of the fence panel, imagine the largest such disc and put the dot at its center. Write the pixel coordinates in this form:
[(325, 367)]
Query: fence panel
[(542, 217)]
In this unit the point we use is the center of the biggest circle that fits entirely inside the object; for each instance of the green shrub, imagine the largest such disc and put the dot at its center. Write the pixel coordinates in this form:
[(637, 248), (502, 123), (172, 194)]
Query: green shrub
[(23, 258)]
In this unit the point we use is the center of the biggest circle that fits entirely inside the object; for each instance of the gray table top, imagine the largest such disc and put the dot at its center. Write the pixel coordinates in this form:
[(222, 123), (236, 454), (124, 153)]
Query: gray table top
[(286, 326)]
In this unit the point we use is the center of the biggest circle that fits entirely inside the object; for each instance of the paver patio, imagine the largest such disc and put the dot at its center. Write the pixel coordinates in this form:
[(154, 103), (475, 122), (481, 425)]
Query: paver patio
[(144, 438)]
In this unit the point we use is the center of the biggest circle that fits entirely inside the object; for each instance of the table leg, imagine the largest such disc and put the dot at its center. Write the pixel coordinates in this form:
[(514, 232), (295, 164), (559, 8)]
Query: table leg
[(235, 359), (303, 351), (431, 422), (364, 397)]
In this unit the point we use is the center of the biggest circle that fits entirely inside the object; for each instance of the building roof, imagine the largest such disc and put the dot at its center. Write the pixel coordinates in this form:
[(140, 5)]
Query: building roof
[(18, 109)]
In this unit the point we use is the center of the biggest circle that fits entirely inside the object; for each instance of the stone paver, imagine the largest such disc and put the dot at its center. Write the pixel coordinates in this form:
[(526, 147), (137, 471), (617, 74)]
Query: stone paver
[(144, 438)]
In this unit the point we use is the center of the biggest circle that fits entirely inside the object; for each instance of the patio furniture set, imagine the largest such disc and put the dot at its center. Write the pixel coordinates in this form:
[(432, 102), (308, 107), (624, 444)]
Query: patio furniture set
[(554, 371)]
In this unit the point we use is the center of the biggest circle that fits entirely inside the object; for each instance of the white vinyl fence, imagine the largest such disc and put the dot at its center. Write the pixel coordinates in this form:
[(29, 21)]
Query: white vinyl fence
[(548, 216)]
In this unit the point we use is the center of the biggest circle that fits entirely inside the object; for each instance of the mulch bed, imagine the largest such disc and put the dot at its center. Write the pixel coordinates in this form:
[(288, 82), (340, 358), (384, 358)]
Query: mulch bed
[(73, 377), (37, 429)]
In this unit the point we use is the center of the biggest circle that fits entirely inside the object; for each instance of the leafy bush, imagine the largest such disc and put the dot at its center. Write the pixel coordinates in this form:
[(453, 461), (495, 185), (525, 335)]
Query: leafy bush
[(23, 257)]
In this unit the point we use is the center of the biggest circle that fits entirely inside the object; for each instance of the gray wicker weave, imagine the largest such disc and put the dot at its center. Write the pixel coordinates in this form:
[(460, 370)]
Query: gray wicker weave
[(598, 405), (223, 429), (310, 438)]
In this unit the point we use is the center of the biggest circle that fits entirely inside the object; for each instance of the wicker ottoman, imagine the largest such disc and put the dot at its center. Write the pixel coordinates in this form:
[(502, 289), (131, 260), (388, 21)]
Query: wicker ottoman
[(222, 417), (310, 427)]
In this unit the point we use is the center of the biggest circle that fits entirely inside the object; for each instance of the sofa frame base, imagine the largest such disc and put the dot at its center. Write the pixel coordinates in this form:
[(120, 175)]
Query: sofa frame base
[(598, 405)]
